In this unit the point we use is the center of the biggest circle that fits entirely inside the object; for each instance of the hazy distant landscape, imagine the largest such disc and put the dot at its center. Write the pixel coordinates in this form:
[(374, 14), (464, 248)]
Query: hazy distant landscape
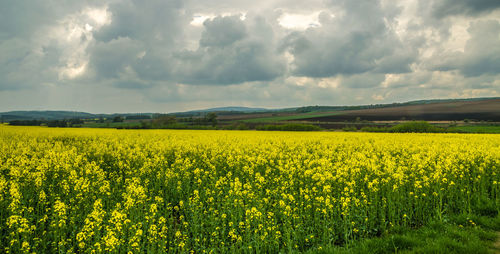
[(464, 115)]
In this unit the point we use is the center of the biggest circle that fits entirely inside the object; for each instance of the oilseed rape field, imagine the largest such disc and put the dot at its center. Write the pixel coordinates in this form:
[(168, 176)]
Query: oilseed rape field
[(153, 191)]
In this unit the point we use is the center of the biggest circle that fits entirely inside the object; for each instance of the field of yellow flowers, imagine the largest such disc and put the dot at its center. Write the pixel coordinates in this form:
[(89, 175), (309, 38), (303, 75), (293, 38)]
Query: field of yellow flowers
[(95, 190)]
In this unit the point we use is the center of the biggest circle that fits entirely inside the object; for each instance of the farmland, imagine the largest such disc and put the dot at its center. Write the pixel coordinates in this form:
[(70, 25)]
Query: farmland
[(455, 115), (104, 190), (479, 129), (486, 109), (468, 116), (273, 119)]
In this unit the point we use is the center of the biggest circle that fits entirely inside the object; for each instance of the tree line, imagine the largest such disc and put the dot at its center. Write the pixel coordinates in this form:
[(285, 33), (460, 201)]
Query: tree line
[(50, 123)]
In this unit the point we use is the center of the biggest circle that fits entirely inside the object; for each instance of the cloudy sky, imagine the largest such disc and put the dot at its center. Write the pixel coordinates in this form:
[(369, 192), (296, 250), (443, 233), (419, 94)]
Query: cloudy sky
[(171, 55)]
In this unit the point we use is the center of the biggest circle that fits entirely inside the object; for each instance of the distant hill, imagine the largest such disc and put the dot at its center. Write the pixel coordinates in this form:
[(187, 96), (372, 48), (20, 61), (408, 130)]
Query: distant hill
[(307, 109), (46, 115), (239, 109), (220, 111), (437, 110), (60, 115), (363, 111)]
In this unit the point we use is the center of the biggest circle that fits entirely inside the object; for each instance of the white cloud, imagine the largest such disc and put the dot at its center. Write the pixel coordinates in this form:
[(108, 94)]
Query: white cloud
[(100, 16), (73, 34), (199, 19), (299, 21)]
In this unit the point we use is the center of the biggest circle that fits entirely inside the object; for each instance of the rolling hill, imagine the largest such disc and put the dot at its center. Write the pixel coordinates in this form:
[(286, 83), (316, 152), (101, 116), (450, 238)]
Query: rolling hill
[(482, 109), (479, 110)]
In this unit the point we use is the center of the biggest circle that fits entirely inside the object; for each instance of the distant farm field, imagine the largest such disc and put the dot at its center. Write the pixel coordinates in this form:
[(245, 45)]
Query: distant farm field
[(290, 117), (478, 129), (487, 110), (151, 191)]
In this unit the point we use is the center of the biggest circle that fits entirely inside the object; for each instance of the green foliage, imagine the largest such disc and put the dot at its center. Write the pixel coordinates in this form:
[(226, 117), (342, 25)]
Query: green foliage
[(118, 125), (173, 126), (374, 129), (476, 129), (211, 118), (237, 126), (138, 117), (425, 127), (207, 119), (458, 234), (198, 127), (288, 127), (26, 122), (415, 126), (163, 121), (118, 119), (350, 128), (408, 127), (52, 123)]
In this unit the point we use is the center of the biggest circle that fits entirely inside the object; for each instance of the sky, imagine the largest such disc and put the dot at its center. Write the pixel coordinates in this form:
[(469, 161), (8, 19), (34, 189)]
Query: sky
[(105, 56)]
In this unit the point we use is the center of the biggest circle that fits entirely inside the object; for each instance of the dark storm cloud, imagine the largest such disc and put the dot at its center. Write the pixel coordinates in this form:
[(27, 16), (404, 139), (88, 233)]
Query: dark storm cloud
[(482, 52), (23, 18), (222, 31), (22, 67), (445, 8), (140, 40), (33, 49), (228, 54), (230, 51), (357, 42), (14, 52), (108, 59), (153, 22), (481, 55)]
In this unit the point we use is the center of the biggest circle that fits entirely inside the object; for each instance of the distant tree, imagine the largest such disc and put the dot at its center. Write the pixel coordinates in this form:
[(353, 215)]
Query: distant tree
[(207, 119), (145, 125), (288, 127), (138, 117), (164, 120), (211, 118), (117, 119), (26, 122), (75, 121), (416, 126), (57, 123), (242, 126)]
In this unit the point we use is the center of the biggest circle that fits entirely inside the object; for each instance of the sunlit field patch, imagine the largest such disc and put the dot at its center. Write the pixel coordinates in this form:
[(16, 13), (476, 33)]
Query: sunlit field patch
[(95, 190)]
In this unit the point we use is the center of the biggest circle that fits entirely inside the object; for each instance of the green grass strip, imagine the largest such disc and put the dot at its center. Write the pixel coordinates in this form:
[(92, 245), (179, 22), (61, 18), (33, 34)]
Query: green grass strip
[(458, 234)]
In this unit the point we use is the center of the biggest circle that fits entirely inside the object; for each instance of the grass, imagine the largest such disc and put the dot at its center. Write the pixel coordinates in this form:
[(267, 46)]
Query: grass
[(290, 117), (111, 125), (425, 127), (289, 127), (408, 127), (458, 234), (478, 128)]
